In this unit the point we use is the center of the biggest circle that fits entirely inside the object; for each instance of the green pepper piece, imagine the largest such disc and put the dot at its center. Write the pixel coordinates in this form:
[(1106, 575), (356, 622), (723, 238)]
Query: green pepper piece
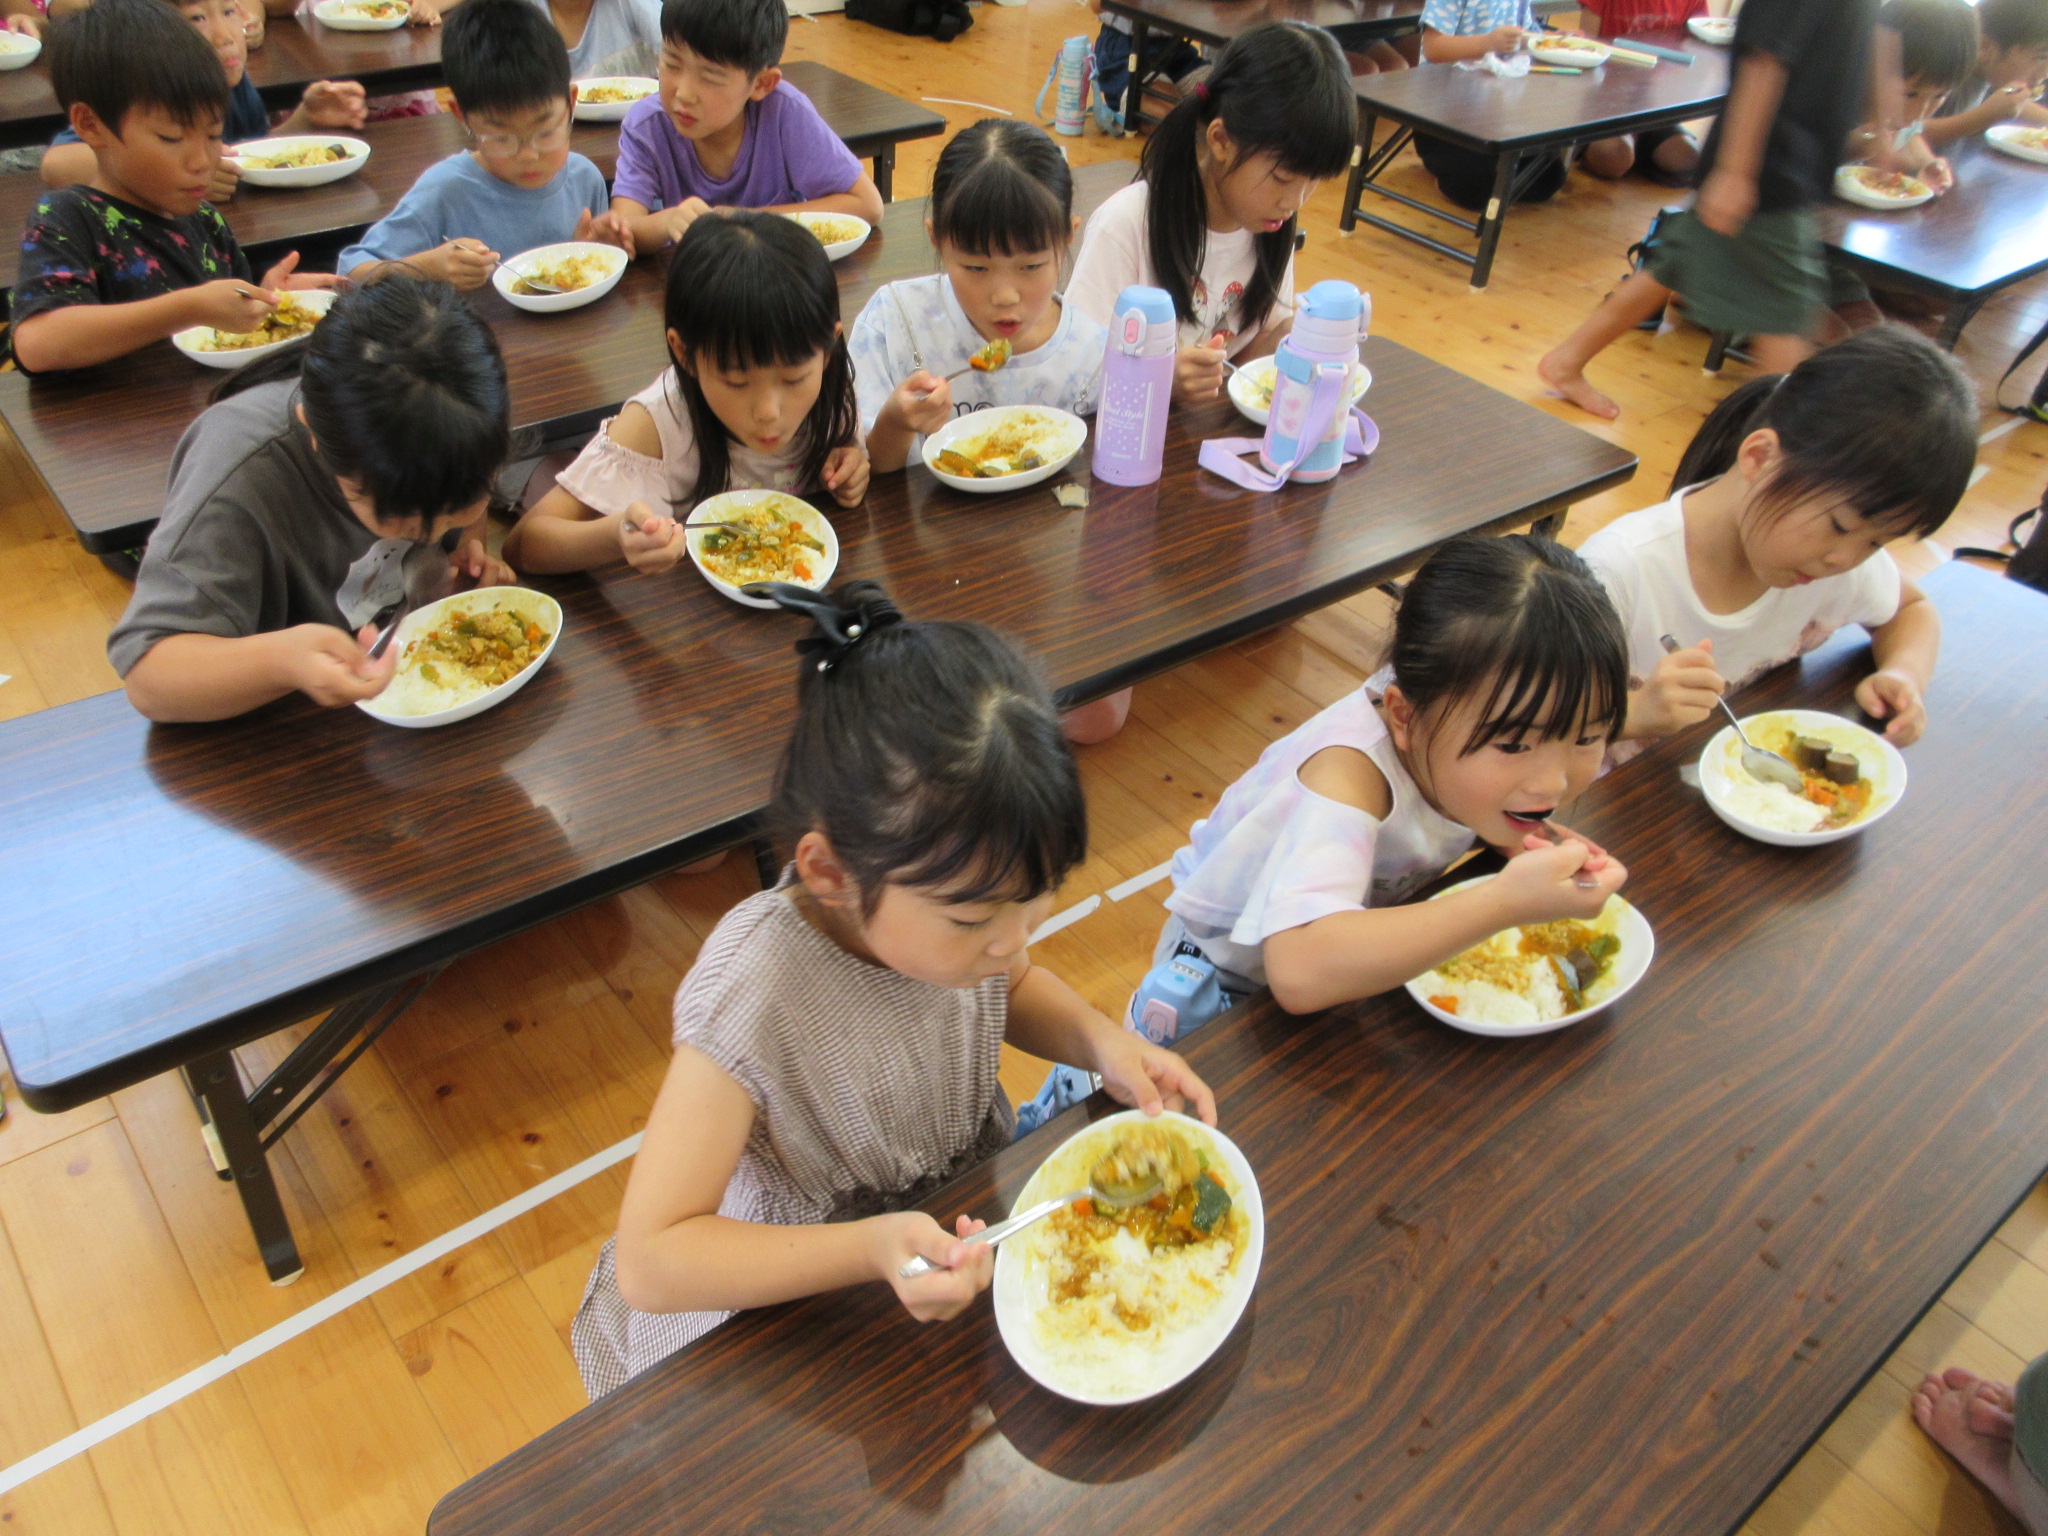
[(1212, 1204)]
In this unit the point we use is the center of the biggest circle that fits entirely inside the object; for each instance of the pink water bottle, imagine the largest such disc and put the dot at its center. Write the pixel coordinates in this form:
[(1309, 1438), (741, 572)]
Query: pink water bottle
[(1137, 387)]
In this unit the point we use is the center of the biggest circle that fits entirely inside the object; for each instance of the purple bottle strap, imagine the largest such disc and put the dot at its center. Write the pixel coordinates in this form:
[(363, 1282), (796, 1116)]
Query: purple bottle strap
[(1225, 455)]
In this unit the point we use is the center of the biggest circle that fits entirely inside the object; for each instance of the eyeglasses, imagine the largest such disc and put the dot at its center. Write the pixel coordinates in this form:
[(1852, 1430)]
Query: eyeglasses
[(505, 146)]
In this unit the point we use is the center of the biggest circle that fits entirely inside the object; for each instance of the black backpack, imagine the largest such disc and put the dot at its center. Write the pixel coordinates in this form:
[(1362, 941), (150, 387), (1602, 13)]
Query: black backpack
[(943, 19)]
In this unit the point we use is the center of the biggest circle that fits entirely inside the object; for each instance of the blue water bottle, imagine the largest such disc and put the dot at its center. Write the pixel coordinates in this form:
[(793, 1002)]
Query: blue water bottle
[(1321, 348)]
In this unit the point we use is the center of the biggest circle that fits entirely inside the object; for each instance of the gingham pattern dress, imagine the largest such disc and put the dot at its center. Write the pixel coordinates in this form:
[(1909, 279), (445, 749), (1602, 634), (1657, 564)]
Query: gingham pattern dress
[(870, 1090)]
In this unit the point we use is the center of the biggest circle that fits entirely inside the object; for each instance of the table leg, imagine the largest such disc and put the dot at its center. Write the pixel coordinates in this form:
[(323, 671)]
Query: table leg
[(885, 173), (1495, 215), (1960, 310), (1717, 350), (217, 1088), (1134, 93), (1361, 153)]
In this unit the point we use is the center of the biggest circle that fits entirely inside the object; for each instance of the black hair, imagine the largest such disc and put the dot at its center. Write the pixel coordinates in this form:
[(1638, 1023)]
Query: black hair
[(503, 56), (405, 394), (125, 54), (754, 290), (1937, 39), (928, 754), (1281, 89), (741, 34), (1884, 420), (1521, 621), (1002, 187), (2013, 23)]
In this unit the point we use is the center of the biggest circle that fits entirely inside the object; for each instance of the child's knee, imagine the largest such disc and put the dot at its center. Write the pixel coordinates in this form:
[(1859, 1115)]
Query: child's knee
[(1609, 159)]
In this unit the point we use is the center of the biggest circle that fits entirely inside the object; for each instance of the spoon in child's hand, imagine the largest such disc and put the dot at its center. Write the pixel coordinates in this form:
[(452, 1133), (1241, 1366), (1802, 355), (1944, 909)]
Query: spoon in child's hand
[(1764, 766), (1116, 1196), (1582, 880), (987, 358)]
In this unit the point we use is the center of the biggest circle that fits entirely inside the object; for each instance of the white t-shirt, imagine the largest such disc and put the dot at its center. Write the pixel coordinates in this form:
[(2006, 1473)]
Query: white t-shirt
[(1640, 559), (609, 477), (1276, 855), (1115, 254), (921, 316)]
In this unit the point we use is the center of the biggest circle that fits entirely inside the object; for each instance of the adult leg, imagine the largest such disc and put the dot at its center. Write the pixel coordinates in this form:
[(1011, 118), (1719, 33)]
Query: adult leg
[(1563, 367)]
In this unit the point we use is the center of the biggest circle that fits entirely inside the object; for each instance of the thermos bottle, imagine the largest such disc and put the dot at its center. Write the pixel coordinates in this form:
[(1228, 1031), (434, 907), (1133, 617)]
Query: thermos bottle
[(1328, 322), (1073, 70), (1137, 386)]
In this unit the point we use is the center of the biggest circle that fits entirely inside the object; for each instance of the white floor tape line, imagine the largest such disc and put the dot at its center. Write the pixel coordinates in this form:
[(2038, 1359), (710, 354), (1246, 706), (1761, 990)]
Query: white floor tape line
[(1137, 883), (263, 1343), (1068, 918), (2000, 430)]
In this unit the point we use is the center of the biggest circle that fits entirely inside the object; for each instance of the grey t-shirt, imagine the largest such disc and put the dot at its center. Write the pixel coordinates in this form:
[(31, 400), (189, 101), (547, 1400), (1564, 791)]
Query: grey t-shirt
[(621, 37), (256, 537)]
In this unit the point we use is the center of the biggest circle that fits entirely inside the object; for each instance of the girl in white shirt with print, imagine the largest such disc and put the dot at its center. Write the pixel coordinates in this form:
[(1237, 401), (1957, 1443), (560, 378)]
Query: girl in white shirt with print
[(1775, 531), (1211, 218), (759, 397)]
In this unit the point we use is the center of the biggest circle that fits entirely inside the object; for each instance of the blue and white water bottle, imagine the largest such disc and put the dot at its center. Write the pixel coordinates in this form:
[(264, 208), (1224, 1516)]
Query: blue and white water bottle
[(1329, 321)]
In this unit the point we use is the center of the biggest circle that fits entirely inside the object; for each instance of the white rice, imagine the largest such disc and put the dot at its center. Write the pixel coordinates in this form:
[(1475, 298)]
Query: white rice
[(1540, 999), (1773, 805), (1769, 805)]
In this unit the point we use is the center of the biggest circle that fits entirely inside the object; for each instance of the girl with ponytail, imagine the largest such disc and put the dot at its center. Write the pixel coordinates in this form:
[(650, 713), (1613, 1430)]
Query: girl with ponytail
[(838, 1038), (1211, 217)]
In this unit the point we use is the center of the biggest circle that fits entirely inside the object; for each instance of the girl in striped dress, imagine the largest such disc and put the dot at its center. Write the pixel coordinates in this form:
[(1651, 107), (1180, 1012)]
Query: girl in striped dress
[(838, 1038)]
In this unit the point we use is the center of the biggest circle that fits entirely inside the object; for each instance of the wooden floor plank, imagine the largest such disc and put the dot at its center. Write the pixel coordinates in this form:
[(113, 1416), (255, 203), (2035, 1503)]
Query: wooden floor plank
[(199, 1468), (35, 1411), (22, 1130), (494, 1374)]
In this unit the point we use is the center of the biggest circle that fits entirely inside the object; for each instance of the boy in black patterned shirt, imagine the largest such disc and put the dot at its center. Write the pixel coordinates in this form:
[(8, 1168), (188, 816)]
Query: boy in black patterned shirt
[(136, 253)]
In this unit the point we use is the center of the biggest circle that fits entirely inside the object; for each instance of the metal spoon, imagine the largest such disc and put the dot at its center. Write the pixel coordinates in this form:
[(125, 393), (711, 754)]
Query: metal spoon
[(1137, 1194), (397, 612), (537, 284), (997, 360), (1582, 880), (1763, 765)]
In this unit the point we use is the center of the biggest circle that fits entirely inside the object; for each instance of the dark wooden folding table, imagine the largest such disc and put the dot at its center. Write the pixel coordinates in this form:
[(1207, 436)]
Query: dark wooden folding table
[(1609, 1281), (174, 892), (1521, 123)]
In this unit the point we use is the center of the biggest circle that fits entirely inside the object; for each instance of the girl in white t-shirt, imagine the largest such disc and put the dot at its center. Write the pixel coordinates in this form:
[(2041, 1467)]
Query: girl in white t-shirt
[(759, 396), (1211, 218), (1775, 531), (1001, 218), (1506, 680)]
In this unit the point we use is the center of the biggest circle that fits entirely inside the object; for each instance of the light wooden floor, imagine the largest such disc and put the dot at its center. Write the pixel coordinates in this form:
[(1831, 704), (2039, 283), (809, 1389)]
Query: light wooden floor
[(125, 1263)]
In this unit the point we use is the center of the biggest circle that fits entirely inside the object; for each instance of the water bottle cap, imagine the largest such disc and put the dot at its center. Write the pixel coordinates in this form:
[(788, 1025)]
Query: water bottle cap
[(1154, 305), (1143, 323), (1333, 300)]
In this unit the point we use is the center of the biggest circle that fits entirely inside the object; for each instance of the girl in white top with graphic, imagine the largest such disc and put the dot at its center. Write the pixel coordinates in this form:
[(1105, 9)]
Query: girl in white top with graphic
[(838, 1039), (1774, 535), (759, 396), (1211, 218)]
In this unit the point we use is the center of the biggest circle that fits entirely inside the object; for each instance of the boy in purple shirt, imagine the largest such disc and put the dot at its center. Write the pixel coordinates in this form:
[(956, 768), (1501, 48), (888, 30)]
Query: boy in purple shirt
[(725, 131)]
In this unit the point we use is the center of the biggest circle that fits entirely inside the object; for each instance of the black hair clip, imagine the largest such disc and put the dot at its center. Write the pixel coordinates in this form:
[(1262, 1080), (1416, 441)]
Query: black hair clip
[(861, 609)]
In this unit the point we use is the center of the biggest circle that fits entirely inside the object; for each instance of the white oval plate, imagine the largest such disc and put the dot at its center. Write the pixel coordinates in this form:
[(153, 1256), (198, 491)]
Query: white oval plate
[(1013, 1278), (1721, 763), (1587, 55), (1065, 438), (1849, 188), (18, 50), (299, 175), (611, 111), (554, 303), (1719, 30), (1245, 383), (2009, 137), (1638, 948), (716, 507), (535, 607), (318, 299), (836, 248), (344, 17)]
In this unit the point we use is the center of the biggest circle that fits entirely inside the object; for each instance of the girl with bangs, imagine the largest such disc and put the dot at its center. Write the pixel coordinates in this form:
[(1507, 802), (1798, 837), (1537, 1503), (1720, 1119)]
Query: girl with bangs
[(1507, 678), (1211, 217), (759, 396), (1002, 217), (1775, 531), (837, 1040)]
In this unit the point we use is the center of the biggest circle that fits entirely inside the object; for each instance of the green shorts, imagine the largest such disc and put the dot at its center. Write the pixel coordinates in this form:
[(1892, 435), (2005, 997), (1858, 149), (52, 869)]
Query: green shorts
[(1767, 281)]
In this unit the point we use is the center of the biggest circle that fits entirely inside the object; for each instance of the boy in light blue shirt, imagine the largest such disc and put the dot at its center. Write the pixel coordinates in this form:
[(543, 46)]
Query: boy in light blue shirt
[(518, 186)]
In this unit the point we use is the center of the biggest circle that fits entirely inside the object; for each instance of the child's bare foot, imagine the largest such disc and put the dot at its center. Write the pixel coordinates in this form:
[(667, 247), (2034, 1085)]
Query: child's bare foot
[(1570, 383), (1971, 1419)]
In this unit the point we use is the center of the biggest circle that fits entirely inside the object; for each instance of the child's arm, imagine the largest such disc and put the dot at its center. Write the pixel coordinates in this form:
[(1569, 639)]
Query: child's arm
[(2005, 104), (1050, 1019), (655, 229), (1451, 47), (1680, 691), (561, 533), (22, 16), (1728, 196), (327, 104), (213, 677), (677, 1254), (916, 408), (1919, 159), (79, 335), (66, 165), (1349, 955), (1905, 649), (862, 200)]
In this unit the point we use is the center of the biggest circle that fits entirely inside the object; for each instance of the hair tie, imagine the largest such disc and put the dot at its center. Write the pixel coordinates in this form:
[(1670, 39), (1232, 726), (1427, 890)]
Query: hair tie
[(840, 629), (1202, 91)]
